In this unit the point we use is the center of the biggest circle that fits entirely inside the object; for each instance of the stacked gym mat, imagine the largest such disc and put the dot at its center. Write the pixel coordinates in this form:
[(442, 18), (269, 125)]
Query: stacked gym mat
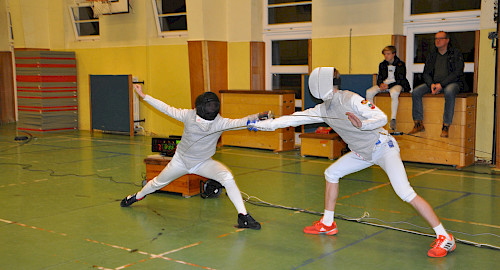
[(46, 91)]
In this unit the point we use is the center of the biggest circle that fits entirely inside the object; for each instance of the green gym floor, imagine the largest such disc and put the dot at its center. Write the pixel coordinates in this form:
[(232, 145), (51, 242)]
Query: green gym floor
[(60, 209)]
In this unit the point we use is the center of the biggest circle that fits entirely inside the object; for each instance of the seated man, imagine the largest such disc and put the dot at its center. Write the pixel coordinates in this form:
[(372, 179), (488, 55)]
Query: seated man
[(443, 72), (391, 78)]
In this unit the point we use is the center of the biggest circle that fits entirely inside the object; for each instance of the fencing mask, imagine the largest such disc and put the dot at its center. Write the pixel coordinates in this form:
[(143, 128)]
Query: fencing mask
[(322, 80), (207, 105)]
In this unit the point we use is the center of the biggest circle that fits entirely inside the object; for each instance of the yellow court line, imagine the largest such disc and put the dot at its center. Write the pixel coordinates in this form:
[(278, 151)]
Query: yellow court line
[(412, 214), (383, 185), (363, 191), (471, 222), (226, 234), (431, 171), (468, 176)]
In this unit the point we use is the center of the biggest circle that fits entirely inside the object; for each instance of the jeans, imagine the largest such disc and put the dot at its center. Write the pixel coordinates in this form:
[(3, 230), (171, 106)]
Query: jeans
[(450, 92)]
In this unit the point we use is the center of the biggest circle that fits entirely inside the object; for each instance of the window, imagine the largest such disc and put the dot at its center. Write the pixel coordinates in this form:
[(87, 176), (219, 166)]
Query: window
[(287, 15), (288, 11), (85, 26), (290, 52), (460, 19), (464, 41), (433, 6), (171, 17), (286, 60), (422, 10)]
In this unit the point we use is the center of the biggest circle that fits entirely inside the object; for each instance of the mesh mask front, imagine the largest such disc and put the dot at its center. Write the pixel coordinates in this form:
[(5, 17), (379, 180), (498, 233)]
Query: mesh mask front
[(207, 106)]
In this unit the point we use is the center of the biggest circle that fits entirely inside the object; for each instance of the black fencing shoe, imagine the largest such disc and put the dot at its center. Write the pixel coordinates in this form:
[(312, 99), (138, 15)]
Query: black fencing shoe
[(130, 199), (247, 221)]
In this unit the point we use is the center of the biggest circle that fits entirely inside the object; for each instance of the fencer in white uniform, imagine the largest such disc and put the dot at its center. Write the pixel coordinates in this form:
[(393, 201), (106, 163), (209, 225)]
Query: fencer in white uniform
[(202, 128), (359, 123)]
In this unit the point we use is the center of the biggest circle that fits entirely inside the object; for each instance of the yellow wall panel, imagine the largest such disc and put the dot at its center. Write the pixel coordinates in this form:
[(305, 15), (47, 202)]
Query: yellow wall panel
[(335, 18), (364, 57), (169, 81), (238, 66), (163, 68), (485, 100)]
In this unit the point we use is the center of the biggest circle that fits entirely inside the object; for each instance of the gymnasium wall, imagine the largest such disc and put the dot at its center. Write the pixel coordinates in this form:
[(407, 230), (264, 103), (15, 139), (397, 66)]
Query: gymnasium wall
[(238, 66), (129, 45), (485, 100), (164, 69)]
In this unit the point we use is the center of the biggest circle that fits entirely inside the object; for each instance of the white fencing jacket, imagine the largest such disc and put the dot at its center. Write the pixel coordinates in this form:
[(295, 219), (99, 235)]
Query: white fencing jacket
[(200, 136), (333, 112)]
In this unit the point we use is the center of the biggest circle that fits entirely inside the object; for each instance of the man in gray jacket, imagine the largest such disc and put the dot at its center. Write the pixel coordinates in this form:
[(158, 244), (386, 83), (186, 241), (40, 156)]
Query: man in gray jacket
[(202, 129)]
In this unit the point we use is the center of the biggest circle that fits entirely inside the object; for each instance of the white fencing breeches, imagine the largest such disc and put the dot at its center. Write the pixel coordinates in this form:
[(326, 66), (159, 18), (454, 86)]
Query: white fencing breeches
[(386, 155), (210, 169)]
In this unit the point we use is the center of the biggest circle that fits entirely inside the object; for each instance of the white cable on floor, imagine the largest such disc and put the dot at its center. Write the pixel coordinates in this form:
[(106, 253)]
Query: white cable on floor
[(260, 202)]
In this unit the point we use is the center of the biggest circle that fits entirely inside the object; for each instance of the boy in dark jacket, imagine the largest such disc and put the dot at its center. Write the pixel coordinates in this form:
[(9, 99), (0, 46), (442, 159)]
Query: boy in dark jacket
[(391, 78)]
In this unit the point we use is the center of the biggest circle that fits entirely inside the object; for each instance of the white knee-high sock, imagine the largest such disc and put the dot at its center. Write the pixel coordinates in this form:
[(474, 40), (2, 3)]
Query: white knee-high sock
[(235, 196), (394, 108), (328, 217), (439, 229)]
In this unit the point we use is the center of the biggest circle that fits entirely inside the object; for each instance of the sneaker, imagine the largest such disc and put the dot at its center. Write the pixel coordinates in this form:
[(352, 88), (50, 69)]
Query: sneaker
[(392, 124), (419, 126), (247, 221), (130, 199), (444, 131), (319, 228), (441, 246)]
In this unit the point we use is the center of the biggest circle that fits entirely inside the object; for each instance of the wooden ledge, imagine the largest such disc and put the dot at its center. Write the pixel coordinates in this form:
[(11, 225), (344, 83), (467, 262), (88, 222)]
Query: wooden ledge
[(252, 92), (330, 136), (441, 95)]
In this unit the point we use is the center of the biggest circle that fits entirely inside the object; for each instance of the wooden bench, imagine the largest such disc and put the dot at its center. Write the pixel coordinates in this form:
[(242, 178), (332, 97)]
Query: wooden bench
[(187, 185), (239, 103), (321, 145), (428, 146)]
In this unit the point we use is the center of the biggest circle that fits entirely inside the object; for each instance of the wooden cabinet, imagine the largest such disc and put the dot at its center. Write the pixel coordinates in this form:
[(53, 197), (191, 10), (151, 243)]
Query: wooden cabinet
[(238, 104), (428, 146), (187, 185), (321, 145)]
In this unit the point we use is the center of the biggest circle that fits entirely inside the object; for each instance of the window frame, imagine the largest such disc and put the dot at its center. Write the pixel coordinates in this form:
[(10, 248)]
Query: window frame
[(74, 23), (283, 69), (172, 33)]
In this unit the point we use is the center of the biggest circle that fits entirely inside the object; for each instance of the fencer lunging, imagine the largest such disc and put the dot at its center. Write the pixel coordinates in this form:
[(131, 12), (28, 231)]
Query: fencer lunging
[(359, 123), (202, 128)]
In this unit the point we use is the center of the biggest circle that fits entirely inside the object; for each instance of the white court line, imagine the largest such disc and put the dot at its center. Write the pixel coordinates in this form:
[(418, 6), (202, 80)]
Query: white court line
[(31, 227), (179, 249), (152, 256)]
